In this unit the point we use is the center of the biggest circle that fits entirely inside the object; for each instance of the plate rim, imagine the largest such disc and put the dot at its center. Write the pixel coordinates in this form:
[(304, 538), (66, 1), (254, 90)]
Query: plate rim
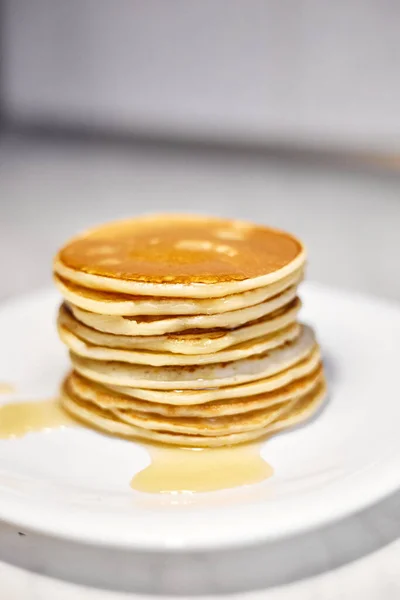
[(69, 532)]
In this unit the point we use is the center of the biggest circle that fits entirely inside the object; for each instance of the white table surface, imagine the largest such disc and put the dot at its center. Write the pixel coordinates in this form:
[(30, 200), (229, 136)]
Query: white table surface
[(350, 220)]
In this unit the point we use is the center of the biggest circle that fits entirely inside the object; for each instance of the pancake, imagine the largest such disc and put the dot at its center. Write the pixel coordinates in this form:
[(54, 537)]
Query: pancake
[(152, 325), (186, 342), (111, 303), (292, 413), (188, 397), (214, 426), (179, 256), (221, 425), (157, 359), (110, 400), (198, 377)]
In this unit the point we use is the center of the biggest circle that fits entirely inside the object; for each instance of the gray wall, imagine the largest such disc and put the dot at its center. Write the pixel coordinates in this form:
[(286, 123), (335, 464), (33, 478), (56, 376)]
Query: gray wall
[(303, 71)]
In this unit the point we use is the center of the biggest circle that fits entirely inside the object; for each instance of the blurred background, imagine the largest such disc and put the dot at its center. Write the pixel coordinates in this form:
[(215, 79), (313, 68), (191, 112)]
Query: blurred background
[(285, 113)]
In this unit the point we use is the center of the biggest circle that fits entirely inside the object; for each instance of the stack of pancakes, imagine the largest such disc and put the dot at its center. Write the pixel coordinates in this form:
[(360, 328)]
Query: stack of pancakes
[(184, 330)]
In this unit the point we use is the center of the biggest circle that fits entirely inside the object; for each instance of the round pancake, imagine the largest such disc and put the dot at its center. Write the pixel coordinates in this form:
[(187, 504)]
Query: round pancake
[(157, 359), (293, 413), (198, 377), (111, 303), (110, 400), (187, 342), (202, 426), (151, 325), (183, 398), (180, 256), (222, 425)]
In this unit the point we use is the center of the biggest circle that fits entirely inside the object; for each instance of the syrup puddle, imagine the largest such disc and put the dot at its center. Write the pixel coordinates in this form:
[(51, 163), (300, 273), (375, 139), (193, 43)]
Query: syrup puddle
[(171, 471), (181, 470), (19, 418)]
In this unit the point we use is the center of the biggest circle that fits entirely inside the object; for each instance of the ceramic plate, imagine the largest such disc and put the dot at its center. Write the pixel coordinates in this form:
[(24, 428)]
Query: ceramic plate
[(74, 483)]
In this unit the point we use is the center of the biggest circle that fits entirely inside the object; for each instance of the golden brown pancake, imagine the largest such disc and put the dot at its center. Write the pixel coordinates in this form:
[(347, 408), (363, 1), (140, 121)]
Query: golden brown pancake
[(113, 303), (251, 368), (287, 415), (188, 397), (158, 325), (160, 359), (106, 398), (189, 342), (177, 255)]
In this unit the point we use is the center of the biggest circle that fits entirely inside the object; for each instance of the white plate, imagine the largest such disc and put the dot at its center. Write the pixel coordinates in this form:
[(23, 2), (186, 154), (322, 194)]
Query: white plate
[(74, 483)]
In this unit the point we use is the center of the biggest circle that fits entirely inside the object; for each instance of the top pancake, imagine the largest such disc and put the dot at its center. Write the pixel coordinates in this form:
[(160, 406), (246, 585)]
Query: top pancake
[(179, 256)]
